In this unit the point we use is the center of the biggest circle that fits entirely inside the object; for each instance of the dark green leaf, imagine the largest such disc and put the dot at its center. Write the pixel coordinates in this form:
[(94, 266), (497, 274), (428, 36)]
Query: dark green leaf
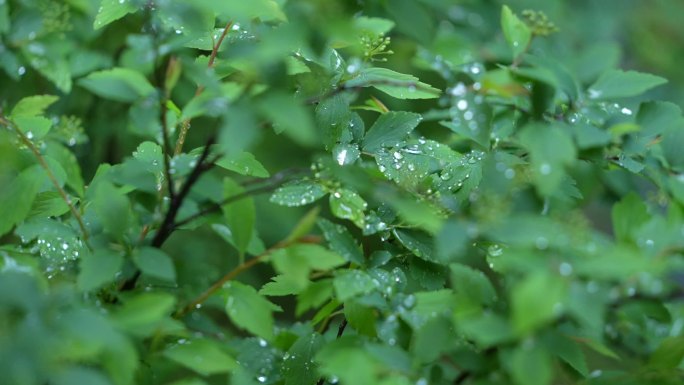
[(120, 84), (98, 269), (240, 215), (155, 263)]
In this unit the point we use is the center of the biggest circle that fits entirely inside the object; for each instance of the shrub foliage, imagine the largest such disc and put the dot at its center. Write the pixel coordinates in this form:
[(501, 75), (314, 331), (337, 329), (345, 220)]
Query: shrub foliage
[(310, 192)]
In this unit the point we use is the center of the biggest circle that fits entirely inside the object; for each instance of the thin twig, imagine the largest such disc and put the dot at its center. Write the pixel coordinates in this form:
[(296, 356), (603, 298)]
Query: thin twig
[(239, 269), (185, 125), (270, 184), (41, 160)]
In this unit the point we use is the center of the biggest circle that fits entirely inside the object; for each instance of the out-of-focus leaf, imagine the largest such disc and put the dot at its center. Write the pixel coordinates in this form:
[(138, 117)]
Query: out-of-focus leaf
[(240, 215), (202, 356), (155, 263), (517, 33), (621, 84), (120, 84), (98, 268), (249, 310)]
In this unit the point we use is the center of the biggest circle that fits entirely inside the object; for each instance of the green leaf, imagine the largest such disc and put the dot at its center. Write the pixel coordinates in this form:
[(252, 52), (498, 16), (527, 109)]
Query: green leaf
[(151, 156), (298, 193), (297, 261), (333, 117), (628, 216), (551, 149), (351, 283), (568, 350), (248, 310), (411, 162), (347, 204), (243, 163), (669, 354), (537, 300), (531, 366), (202, 356), (289, 116), (314, 295), (119, 84), (516, 32), (341, 241), (487, 329), (98, 268), (361, 318), (17, 198), (622, 84), (298, 365), (390, 129), (304, 225), (144, 311), (588, 136), (155, 263), (265, 10), (33, 105), (337, 358), (433, 338), (112, 208), (472, 287), (240, 215), (418, 242), (671, 149), (395, 84), (48, 204), (281, 285), (112, 10), (34, 127)]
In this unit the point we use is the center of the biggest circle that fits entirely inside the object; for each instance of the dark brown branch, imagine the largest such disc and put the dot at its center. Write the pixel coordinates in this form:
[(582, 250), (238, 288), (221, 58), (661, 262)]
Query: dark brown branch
[(166, 228)]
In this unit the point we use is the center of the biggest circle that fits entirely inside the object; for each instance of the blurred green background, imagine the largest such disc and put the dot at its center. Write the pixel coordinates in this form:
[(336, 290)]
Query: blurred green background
[(644, 35)]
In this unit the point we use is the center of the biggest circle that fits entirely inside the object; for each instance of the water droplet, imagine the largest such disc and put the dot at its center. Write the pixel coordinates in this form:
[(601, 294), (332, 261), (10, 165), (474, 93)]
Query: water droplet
[(262, 342), (542, 243), (462, 105), (21, 71), (29, 135), (565, 269), (341, 156), (626, 111), (397, 155), (509, 173), (545, 169)]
